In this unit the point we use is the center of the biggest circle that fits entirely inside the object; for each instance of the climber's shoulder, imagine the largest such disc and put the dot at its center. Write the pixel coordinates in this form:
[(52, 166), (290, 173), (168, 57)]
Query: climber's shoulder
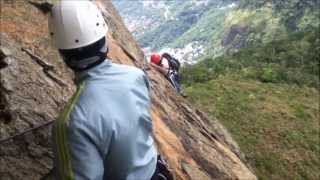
[(127, 72)]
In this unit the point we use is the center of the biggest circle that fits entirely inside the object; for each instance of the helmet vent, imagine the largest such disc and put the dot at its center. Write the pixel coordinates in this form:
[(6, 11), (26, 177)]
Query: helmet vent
[(77, 40)]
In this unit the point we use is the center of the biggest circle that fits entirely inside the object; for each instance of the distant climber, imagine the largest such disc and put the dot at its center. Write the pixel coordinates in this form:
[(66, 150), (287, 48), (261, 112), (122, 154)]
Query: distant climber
[(169, 68), (105, 130)]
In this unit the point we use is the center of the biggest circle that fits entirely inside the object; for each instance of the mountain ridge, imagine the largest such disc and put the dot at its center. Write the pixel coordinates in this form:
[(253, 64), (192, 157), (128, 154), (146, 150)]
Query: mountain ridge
[(216, 29)]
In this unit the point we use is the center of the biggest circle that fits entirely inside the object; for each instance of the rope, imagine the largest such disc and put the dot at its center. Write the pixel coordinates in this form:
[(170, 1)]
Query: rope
[(25, 132)]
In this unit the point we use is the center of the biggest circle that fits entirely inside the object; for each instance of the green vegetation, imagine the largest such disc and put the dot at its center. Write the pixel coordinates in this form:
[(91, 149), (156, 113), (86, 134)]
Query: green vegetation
[(165, 33), (188, 23), (267, 96), (206, 28), (263, 25), (293, 60), (265, 21), (183, 16), (276, 126)]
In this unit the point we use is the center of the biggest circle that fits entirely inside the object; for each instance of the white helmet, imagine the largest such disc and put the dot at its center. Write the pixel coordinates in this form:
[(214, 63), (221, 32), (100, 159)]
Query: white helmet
[(76, 23)]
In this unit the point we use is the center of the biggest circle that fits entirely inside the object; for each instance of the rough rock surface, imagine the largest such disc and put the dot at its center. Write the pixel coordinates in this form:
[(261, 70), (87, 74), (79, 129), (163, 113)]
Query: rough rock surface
[(236, 38), (35, 84)]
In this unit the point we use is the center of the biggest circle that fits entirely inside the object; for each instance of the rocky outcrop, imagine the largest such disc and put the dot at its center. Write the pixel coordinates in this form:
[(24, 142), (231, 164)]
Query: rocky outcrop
[(35, 84), (236, 38)]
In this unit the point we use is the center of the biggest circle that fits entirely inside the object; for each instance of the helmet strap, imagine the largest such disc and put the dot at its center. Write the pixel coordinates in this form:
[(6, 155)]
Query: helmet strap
[(86, 63), (82, 59)]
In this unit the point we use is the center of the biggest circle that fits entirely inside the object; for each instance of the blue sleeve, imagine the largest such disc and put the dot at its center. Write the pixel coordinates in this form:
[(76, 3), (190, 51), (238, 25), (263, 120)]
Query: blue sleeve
[(87, 161), (76, 154)]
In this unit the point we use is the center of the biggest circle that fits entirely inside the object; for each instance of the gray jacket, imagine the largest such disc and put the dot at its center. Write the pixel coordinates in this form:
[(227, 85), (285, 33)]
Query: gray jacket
[(105, 131)]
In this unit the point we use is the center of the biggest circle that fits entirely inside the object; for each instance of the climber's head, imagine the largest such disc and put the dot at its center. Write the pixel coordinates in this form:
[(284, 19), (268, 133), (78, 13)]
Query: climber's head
[(155, 58), (79, 32)]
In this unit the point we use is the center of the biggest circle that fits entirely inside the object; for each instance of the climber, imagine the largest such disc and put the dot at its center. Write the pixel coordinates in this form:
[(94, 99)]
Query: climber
[(169, 68), (105, 130)]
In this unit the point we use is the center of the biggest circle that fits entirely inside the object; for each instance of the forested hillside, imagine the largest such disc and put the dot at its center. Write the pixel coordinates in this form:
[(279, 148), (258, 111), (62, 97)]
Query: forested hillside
[(292, 60), (187, 28), (265, 21), (194, 28), (265, 87), (159, 23)]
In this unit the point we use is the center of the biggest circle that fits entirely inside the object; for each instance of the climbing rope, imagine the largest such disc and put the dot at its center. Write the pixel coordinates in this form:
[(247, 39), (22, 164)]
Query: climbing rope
[(26, 131)]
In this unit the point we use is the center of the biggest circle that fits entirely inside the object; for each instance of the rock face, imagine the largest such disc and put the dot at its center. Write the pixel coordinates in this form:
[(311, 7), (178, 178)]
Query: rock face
[(236, 31), (35, 84)]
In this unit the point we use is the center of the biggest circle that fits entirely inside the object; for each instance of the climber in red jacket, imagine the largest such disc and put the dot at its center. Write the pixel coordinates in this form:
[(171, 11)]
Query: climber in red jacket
[(169, 68), (156, 62)]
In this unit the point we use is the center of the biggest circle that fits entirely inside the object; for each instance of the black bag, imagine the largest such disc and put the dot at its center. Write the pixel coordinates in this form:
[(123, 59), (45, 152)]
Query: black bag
[(174, 63), (162, 171)]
